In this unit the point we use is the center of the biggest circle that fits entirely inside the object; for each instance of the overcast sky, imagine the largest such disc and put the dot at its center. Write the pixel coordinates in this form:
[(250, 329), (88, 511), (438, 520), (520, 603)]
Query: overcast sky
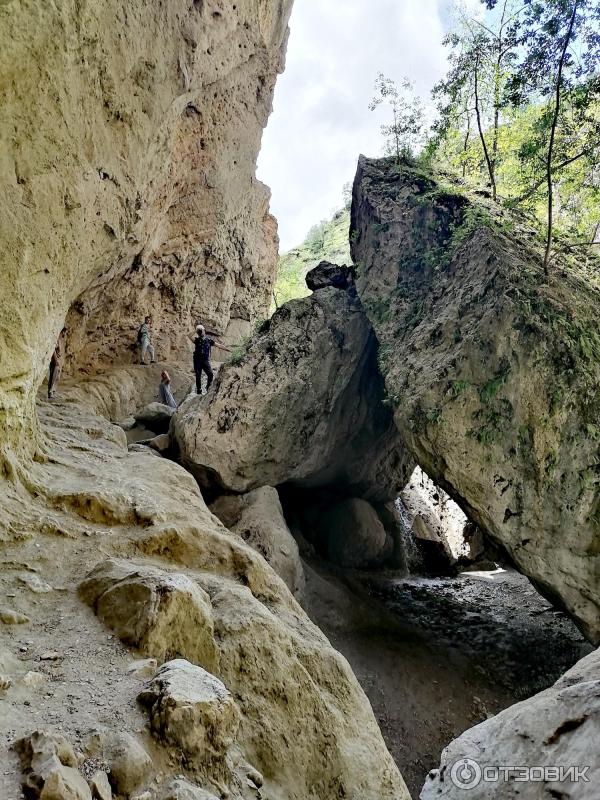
[(321, 120)]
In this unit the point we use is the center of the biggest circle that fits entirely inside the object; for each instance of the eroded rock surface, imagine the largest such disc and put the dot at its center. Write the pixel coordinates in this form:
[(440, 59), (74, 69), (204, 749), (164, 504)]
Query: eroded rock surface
[(304, 405), (553, 729), (258, 518), (49, 768), (493, 372), (193, 711), (129, 765), (306, 725), (130, 187), (158, 612)]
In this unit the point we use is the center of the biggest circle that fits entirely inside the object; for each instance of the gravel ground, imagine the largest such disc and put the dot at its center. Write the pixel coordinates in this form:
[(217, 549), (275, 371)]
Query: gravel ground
[(437, 656)]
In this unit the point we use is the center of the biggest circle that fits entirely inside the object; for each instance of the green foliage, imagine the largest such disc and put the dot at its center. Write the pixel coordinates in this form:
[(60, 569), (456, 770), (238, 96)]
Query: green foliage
[(520, 110), (490, 389), (457, 388), (327, 241), (239, 352), (404, 134)]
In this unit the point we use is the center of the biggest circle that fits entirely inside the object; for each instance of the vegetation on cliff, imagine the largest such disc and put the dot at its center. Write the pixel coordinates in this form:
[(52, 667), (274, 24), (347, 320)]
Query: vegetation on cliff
[(518, 113), (327, 241)]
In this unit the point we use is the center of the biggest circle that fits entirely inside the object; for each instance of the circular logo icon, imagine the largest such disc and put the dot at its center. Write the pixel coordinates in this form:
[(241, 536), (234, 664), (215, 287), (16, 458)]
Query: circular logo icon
[(466, 773)]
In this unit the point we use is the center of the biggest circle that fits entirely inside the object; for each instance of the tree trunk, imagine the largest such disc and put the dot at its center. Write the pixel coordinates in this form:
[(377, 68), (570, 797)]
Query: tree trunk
[(481, 134), (550, 155), (466, 143)]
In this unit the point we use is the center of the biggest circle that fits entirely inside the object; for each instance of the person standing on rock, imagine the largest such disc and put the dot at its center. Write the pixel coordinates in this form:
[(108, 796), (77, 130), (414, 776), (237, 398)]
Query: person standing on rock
[(165, 394), (56, 364), (144, 340), (202, 347)]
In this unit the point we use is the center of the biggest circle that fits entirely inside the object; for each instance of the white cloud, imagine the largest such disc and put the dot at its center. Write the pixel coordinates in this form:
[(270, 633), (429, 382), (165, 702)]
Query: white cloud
[(321, 121)]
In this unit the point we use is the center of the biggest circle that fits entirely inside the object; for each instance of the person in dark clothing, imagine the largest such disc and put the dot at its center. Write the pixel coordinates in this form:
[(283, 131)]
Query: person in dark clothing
[(56, 364), (203, 345)]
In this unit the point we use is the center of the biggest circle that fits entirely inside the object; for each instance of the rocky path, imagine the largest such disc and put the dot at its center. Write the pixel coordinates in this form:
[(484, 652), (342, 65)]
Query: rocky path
[(436, 657)]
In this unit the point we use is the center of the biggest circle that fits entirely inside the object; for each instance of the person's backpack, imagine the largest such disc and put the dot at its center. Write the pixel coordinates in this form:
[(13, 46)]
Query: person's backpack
[(139, 336)]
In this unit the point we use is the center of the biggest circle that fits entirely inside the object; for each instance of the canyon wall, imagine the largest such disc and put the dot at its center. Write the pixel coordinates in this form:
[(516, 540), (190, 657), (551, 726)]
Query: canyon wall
[(492, 370), (129, 136)]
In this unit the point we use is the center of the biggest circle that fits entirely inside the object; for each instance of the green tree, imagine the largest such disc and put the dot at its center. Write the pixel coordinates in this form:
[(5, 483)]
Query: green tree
[(404, 135), (560, 41), (482, 55)]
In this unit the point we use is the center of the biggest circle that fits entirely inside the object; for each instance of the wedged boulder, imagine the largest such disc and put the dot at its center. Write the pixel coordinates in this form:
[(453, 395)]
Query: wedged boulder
[(258, 518), (191, 710), (556, 729), (158, 612), (304, 405), (327, 274), (493, 371), (49, 768), (156, 417)]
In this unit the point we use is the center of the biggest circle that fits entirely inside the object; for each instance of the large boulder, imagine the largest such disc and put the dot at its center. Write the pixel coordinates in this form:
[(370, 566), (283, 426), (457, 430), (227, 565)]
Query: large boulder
[(158, 612), (191, 710), (156, 416), (328, 274), (258, 518), (304, 405), (346, 531), (493, 371), (551, 733), (129, 765)]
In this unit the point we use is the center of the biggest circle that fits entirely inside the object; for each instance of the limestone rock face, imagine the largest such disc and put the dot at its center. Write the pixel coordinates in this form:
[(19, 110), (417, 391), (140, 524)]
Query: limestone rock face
[(192, 710), (129, 187), (158, 612), (555, 728), (304, 406), (258, 518), (493, 372), (306, 725)]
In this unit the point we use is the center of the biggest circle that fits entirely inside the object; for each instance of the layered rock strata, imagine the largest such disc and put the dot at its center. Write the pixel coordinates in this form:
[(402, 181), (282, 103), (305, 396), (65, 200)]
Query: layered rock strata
[(305, 726)]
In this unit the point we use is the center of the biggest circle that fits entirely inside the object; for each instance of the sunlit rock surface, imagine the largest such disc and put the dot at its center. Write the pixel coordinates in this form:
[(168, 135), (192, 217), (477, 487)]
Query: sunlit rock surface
[(129, 142)]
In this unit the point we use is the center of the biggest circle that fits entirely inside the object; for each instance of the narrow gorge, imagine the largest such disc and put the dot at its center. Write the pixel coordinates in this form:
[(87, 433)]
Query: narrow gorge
[(367, 558)]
